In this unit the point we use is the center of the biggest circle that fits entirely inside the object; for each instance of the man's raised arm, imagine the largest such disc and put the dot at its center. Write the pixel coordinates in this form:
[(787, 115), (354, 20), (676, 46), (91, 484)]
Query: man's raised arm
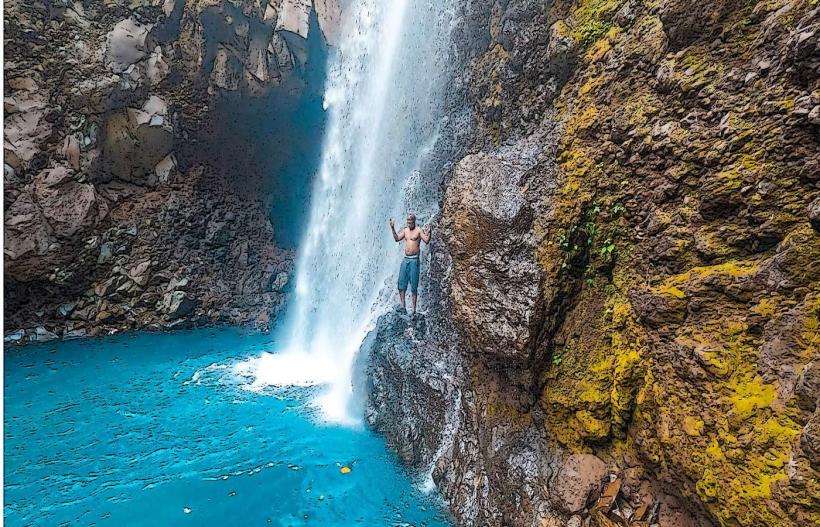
[(400, 235), (425, 234)]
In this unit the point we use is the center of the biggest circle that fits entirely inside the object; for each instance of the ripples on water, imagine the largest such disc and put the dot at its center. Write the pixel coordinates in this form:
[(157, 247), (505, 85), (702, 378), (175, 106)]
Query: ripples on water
[(154, 429)]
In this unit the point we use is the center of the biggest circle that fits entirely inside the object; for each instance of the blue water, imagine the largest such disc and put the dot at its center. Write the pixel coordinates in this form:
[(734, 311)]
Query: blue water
[(153, 429)]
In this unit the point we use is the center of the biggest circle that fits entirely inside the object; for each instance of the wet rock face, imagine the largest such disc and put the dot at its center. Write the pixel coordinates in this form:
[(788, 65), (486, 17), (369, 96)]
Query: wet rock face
[(111, 149), (408, 389), (448, 424)]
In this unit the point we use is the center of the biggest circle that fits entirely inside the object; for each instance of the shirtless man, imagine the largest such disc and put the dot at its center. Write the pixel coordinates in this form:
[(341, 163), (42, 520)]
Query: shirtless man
[(409, 271)]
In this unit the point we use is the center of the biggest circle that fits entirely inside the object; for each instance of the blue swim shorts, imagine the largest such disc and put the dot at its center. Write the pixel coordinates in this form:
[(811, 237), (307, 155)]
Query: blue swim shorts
[(409, 272)]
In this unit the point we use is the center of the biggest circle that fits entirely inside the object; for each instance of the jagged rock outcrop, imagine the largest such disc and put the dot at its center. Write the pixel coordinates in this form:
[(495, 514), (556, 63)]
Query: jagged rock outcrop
[(115, 156), (644, 289)]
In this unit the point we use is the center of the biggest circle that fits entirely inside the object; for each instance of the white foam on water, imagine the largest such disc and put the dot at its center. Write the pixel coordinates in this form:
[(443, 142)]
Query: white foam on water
[(383, 96)]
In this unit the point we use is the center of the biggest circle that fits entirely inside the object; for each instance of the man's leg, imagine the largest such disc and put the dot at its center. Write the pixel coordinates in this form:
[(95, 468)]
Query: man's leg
[(404, 277), (414, 281), (401, 299)]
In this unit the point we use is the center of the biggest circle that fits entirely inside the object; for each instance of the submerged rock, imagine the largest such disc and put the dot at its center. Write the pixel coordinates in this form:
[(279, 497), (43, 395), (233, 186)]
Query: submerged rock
[(329, 14), (294, 17)]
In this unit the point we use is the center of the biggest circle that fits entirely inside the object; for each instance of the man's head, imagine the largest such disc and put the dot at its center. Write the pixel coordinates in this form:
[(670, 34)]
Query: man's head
[(411, 221)]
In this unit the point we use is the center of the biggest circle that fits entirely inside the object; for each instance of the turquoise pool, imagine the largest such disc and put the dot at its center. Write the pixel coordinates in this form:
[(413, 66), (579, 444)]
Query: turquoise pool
[(153, 429)]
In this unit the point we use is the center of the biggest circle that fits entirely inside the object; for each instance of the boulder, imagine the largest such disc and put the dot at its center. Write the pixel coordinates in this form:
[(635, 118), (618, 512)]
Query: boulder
[(104, 289), (41, 334), (166, 168), (168, 7), (293, 23), (294, 17), (26, 230), (217, 232), (137, 140), (64, 310), (227, 71), (579, 475), (105, 253), (75, 334), (67, 205), (15, 337), (140, 273), (156, 69), (75, 14), (487, 226), (810, 439), (176, 304), (95, 93), (155, 106), (258, 63), (270, 11), (279, 282), (807, 390), (71, 151), (561, 50), (814, 213), (686, 22), (180, 284), (278, 47)]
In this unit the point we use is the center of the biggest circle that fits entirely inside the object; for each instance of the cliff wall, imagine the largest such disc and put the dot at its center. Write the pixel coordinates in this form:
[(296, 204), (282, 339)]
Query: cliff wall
[(629, 264), (148, 145)]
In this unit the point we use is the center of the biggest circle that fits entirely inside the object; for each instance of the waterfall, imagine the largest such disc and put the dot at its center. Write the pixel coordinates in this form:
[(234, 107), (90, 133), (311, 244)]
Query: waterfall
[(387, 81)]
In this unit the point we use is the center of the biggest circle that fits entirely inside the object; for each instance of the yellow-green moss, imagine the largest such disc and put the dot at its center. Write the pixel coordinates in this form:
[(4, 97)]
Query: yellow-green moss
[(750, 395), (591, 19), (707, 486), (697, 68), (670, 290), (693, 426), (731, 269), (594, 429), (766, 307), (737, 440), (591, 393), (600, 48), (583, 121)]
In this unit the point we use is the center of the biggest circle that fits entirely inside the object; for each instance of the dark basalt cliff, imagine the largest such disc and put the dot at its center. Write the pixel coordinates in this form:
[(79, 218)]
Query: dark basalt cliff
[(140, 139), (625, 285)]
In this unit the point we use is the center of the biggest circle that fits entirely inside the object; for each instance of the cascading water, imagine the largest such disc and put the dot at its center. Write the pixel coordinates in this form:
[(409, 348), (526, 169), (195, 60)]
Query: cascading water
[(385, 91)]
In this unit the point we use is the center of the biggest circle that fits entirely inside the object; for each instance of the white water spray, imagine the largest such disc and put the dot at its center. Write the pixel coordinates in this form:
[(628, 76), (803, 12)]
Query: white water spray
[(384, 95)]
